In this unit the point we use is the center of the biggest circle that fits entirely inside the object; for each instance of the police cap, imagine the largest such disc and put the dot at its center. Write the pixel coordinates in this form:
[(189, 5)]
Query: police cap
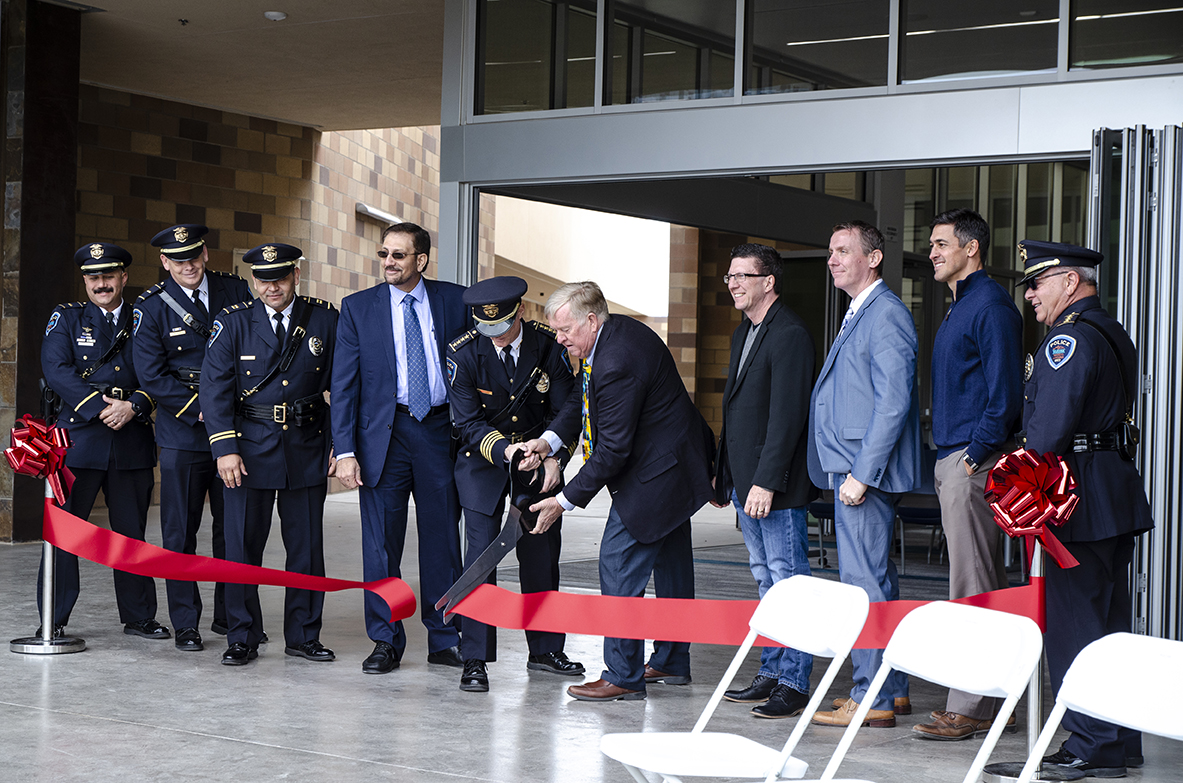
[(495, 302), (182, 242), (100, 257), (1038, 257), (273, 261)]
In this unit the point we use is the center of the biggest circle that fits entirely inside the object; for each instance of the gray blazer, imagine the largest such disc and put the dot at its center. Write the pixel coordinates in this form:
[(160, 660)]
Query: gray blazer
[(864, 415)]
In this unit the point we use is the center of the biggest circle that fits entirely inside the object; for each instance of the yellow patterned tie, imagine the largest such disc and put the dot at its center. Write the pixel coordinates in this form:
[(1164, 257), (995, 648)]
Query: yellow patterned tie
[(585, 375)]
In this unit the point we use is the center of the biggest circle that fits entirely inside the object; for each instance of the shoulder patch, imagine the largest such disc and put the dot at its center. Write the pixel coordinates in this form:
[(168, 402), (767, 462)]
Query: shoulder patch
[(151, 292), (463, 339), (451, 370), (53, 321), (1059, 350), (217, 330), (136, 317)]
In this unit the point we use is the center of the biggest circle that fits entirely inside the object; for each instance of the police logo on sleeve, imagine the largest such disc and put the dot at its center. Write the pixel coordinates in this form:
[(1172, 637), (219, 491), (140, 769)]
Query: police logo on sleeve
[(213, 335), (53, 321), (1059, 350), (451, 371), (136, 315)]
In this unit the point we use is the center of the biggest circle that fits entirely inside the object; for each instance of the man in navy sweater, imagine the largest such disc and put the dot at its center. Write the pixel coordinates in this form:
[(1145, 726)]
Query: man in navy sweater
[(977, 392)]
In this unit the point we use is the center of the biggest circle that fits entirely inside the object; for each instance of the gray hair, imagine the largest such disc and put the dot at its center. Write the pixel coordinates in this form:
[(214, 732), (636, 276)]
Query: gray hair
[(1088, 274), (583, 298)]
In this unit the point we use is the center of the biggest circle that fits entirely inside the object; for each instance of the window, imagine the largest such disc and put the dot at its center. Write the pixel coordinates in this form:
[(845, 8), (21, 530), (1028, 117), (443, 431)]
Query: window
[(944, 40), (1121, 33)]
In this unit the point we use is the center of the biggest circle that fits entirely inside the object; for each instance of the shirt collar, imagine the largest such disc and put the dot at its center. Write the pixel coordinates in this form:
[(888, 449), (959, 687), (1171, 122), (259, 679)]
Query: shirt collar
[(287, 311), (862, 297), (397, 295), (969, 280)]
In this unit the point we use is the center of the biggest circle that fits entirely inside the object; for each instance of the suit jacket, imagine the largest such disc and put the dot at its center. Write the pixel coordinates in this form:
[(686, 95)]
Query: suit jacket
[(165, 348), (365, 383), (652, 448), (242, 350), (864, 416), (75, 339), (765, 412)]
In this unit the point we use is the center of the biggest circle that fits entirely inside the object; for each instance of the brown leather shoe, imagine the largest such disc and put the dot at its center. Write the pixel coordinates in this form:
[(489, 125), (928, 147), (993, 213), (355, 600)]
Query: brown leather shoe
[(953, 726), (602, 690), (653, 675), (842, 716), (903, 706)]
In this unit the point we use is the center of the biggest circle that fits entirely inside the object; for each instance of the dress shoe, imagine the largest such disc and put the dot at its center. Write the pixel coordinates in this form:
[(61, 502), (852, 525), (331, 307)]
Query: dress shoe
[(219, 627), (842, 716), (902, 706), (311, 650), (555, 663), (382, 660), (760, 689), (954, 726), (785, 702), (189, 640), (263, 639), (653, 675), (149, 629), (602, 690), (238, 654), (449, 656), (1066, 759), (475, 678), (58, 631)]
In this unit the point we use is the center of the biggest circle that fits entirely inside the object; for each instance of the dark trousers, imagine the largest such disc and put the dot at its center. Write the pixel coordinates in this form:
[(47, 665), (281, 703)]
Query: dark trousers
[(625, 566), (1083, 604), (538, 572), (301, 524), (417, 463), (128, 494), (186, 478)]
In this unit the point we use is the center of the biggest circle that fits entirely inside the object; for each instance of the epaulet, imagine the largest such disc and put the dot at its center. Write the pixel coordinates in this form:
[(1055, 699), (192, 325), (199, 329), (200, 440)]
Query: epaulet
[(318, 302), (227, 275), (151, 292), (544, 328), (1068, 319), (462, 340), (70, 305), (241, 307)]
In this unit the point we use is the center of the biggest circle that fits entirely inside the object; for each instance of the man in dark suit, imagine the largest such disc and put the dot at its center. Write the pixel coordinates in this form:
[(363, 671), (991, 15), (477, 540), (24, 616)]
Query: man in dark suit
[(86, 358), (508, 379), (392, 435), (645, 441), (761, 465), (264, 377), (171, 328)]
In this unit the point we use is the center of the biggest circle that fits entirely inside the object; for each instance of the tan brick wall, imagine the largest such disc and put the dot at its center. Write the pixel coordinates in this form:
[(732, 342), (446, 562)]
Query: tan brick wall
[(681, 324)]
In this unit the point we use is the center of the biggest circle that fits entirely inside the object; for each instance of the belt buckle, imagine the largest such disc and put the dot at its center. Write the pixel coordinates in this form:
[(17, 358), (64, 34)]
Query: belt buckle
[(117, 393), (279, 413)]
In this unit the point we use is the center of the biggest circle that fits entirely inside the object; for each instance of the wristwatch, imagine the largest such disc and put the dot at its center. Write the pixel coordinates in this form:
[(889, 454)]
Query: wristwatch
[(969, 463)]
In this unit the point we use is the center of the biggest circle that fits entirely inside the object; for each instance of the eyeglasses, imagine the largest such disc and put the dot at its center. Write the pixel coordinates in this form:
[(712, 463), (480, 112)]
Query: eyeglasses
[(397, 256), (1034, 283), (740, 277)]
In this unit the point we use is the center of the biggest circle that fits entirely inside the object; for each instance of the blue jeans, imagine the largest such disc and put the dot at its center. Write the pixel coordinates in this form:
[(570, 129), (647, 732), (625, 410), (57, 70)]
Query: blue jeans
[(864, 545), (778, 547)]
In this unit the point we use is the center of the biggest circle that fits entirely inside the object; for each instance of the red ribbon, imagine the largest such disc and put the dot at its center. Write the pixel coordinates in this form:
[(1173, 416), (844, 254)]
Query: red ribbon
[(1031, 494), (39, 449)]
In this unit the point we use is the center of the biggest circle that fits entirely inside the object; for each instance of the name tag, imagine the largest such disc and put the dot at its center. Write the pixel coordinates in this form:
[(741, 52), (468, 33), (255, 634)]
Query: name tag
[(246, 358), (176, 331), (86, 341), (482, 391)]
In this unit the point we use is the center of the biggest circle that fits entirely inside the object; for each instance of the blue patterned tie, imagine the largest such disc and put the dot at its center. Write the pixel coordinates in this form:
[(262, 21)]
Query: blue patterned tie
[(418, 392)]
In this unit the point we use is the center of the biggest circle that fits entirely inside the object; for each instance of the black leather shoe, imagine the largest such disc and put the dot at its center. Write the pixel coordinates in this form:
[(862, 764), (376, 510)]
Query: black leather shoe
[(58, 631), (263, 639), (783, 703), (760, 690), (149, 629), (238, 654), (382, 660), (189, 640), (555, 663), (219, 627), (312, 650), (475, 678), (1066, 759), (449, 656)]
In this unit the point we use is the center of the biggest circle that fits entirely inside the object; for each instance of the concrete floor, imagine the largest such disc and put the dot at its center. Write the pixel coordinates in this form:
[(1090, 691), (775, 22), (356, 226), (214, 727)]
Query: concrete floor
[(129, 710)]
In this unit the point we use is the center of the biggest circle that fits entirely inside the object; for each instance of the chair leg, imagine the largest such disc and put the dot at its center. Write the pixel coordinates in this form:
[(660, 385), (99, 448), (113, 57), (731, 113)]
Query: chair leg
[(637, 774)]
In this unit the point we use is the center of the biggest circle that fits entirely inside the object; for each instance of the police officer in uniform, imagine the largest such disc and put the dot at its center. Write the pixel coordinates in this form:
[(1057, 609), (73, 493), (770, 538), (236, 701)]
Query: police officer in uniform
[(87, 360), (265, 373), (1080, 389), (509, 377), (171, 327)]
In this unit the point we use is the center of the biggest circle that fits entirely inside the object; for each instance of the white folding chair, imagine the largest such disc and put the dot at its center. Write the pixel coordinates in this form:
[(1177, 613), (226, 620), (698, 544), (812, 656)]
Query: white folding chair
[(997, 652), (1109, 681), (812, 615)]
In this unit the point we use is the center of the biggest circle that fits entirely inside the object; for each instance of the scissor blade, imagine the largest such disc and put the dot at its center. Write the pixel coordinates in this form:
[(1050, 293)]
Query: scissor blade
[(479, 571)]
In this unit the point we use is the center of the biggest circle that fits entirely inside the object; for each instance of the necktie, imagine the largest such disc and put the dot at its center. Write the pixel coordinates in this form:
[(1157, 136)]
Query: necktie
[(846, 320), (585, 375), (507, 359), (418, 393), (110, 324), (280, 334), (200, 307)]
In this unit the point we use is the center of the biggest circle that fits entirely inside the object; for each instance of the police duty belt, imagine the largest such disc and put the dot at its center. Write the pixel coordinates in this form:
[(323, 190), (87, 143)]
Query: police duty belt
[(523, 492), (186, 316), (289, 354)]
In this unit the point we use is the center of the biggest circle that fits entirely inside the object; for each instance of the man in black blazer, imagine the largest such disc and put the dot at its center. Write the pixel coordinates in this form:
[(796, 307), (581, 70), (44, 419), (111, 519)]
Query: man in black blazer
[(761, 466), (645, 441)]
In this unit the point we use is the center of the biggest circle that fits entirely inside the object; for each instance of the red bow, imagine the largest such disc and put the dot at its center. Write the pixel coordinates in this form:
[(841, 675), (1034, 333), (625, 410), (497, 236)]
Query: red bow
[(39, 449), (1030, 494)]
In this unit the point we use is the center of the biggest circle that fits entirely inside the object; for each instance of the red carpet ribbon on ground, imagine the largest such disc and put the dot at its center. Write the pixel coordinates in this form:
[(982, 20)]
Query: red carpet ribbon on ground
[(99, 545), (700, 621)]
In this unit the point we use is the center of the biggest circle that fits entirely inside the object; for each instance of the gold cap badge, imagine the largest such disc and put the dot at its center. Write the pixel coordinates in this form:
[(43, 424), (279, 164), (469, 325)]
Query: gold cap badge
[(270, 254), (490, 310), (180, 233), (96, 251)]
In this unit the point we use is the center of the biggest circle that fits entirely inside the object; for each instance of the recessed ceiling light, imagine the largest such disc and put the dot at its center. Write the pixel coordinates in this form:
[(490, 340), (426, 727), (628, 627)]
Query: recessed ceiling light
[(275, 16)]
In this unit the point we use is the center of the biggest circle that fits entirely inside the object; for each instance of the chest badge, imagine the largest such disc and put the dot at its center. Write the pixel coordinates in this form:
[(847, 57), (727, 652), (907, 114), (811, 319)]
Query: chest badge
[(1028, 368), (316, 346), (543, 384), (1059, 350)]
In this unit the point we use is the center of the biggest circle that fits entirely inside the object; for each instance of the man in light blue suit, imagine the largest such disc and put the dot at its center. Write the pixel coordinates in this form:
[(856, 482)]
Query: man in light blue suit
[(864, 443)]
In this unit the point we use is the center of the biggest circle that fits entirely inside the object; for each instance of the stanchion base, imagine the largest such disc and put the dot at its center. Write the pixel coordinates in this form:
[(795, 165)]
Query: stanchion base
[(35, 645), (1009, 771)]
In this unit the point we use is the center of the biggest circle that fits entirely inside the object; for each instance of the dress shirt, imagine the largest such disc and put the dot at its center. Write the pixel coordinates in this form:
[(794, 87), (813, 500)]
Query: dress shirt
[(203, 289), (553, 439), (862, 297), (435, 378), (287, 315)]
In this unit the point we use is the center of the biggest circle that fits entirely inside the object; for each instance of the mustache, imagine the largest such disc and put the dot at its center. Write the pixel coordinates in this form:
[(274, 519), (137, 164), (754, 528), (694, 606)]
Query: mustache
[(104, 290)]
